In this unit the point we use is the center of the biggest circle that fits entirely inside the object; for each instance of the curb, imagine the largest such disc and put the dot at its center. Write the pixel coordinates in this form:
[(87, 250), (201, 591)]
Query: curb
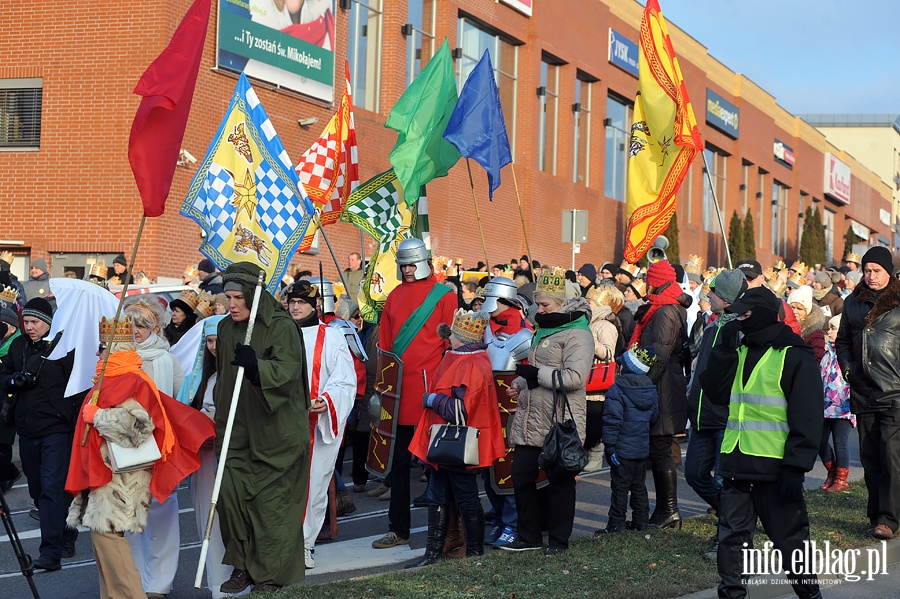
[(769, 589)]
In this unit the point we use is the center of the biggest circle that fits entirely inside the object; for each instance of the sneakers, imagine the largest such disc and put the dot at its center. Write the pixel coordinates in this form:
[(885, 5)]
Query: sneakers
[(240, 580), (388, 541), (308, 558), (519, 545), (344, 503), (494, 535), (610, 529), (506, 537), (378, 491)]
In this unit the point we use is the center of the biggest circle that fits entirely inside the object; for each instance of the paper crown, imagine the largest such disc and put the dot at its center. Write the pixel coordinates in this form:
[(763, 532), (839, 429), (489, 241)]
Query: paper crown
[(98, 269), (469, 326), (8, 295), (709, 273), (190, 297), (705, 290), (800, 268), (124, 332), (439, 262), (551, 281), (779, 265), (694, 265), (632, 269), (776, 286), (645, 356), (206, 304), (639, 287), (853, 257), (7, 257), (798, 278), (190, 272)]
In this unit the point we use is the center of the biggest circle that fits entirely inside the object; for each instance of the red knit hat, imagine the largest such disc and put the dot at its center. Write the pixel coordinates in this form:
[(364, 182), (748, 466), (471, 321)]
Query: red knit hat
[(660, 273)]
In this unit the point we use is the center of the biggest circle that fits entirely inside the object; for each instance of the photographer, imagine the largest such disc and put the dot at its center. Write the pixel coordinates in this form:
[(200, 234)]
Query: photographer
[(44, 419)]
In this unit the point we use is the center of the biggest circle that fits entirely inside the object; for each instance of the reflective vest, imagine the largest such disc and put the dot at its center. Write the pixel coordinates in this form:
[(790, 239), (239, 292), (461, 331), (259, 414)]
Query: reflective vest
[(757, 413)]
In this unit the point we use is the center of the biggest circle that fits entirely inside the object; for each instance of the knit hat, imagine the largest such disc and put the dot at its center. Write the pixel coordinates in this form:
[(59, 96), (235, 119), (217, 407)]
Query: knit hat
[(610, 268), (880, 256), (9, 316), (207, 266), (120, 259), (303, 290), (589, 272), (855, 276), (729, 285), (39, 308), (758, 297), (802, 295), (660, 273), (40, 263), (835, 321), (639, 359), (346, 308), (823, 279)]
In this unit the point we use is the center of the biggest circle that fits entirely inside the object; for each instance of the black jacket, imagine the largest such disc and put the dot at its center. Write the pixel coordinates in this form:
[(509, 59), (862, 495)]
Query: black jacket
[(212, 284), (704, 413), (868, 347), (41, 409), (801, 382)]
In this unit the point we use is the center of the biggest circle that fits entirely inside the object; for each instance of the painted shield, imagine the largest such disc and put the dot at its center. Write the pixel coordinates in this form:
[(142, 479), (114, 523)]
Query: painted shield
[(384, 429), (501, 469)]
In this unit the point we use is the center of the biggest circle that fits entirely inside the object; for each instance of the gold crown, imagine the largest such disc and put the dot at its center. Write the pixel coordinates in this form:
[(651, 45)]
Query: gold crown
[(190, 272), (853, 257), (8, 295), (798, 278), (439, 263), (633, 269), (777, 286), (705, 290), (7, 257), (190, 297), (469, 326), (694, 265), (779, 265), (551, 281), (799, 267), (98, 269), (124, 333), (644, 356), (206, 305), (640, 287)]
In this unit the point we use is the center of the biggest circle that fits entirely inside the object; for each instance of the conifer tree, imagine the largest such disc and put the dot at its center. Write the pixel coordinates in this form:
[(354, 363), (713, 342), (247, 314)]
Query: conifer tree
[(749, 249), (807, 239), (736, 237)]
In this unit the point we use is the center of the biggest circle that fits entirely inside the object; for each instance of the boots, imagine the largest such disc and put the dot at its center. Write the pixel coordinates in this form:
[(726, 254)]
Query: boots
[(344, 503), (666, 514), (831, 467), (840, 480), (455, 542), (473, 520), (595, 460), (438, 522)]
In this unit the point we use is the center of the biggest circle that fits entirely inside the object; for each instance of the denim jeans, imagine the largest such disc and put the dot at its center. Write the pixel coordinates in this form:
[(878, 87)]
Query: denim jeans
[(701, 462), (839, 430), (504, 506)]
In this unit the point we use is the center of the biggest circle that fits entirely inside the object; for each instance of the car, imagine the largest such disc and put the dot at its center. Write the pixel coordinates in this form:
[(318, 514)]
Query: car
[(166, 293)]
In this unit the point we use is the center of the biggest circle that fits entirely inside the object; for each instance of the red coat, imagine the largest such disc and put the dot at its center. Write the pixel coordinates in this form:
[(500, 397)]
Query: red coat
[(426, 348), (472, 369), (513, 319)]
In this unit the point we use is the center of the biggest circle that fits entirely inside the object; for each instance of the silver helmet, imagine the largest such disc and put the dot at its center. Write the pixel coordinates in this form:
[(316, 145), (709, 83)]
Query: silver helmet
[(498, 287), (329, 300), (352, 338), (506, 350), (413, 251)]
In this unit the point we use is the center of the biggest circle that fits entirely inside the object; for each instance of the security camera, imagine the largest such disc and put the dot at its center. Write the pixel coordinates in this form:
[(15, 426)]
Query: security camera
[(308, 121), (186, 157)]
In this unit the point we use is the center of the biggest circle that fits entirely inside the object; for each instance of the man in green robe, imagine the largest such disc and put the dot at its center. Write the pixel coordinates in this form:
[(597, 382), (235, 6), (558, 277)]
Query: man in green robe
[(263, 493)]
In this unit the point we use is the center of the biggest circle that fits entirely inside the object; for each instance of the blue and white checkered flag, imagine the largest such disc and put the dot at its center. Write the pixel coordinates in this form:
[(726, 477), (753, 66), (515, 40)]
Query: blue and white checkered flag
[(246, 195)]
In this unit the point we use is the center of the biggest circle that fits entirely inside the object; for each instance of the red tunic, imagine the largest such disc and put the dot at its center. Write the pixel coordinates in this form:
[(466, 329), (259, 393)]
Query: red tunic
[(513, 319), (426, 348), (472, 369)]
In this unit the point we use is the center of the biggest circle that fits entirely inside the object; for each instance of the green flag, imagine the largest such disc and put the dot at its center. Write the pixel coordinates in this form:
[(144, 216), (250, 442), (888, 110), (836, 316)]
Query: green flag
[(420, 117)]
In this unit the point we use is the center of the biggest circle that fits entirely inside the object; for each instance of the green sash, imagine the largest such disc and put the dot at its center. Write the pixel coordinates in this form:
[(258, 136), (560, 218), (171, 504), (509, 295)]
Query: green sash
[(417, 319), (579, 323)]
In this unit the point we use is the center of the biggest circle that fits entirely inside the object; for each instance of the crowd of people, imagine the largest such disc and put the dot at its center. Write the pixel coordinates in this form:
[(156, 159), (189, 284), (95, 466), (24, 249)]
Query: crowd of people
[(767, 369)]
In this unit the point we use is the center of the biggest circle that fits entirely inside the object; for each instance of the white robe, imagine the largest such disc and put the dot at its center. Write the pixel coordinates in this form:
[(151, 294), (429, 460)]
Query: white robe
[(327, 351)]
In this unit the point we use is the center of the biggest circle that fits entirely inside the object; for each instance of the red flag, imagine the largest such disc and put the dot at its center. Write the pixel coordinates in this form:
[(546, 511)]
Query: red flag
[(158, 128)]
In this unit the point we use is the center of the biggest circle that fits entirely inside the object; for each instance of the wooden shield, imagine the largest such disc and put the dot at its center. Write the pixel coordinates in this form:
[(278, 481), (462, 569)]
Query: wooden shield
[(501, 469), (387, 386)]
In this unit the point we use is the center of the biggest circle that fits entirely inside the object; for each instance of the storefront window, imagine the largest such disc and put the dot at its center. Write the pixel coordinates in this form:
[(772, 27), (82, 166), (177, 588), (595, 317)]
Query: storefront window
[(420, 43), (618, 121), (364, 25)]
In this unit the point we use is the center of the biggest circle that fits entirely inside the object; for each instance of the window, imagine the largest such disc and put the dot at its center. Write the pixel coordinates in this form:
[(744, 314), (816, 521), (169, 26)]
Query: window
[(364, 52), (618, 121), (20, 113), (828, 224), (474, 40), (716, 162), (421, 15), (549, 98), (582, 163), (779, 218)]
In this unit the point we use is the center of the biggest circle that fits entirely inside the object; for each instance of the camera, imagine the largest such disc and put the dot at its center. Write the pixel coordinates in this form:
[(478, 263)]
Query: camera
[(21, 380)]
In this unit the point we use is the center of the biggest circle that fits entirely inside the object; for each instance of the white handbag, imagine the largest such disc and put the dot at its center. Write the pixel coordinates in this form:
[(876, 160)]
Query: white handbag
[(128, 459)]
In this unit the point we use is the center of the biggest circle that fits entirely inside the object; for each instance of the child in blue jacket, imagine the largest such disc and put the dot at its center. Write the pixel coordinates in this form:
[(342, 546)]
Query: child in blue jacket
[(632, 404)]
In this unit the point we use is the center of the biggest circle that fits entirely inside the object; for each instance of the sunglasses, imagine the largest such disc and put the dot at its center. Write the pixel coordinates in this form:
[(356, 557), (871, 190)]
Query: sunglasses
[(101, 348)]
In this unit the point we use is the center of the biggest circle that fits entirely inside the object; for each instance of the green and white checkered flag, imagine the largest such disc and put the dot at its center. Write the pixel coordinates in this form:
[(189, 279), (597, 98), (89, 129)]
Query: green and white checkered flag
[(373, 206)]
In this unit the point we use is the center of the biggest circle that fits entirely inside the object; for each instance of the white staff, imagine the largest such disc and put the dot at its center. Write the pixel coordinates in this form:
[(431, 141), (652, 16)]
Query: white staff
[(220, 469)]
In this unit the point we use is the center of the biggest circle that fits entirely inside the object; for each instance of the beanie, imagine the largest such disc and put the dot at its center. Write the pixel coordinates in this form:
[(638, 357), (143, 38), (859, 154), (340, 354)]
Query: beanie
[(639, 359), (206, 265), (660, 273), (40, 263), (823, 279), (38, 308), (589, 272), (303, 290), (120, 259), (855, 276), (802, 295), (9, 316), (880, 256), (729, 285)]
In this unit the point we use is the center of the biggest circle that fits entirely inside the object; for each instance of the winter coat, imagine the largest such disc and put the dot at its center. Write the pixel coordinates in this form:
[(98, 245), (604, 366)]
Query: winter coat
[(605, 328), (570, 351), (627, 324), (812, 329), (833, 301), (631, 406), (122, 504), (37, 287), (801, 383), (705, 413), (213, 284), (868, 347), (665, 333), (837, 391)]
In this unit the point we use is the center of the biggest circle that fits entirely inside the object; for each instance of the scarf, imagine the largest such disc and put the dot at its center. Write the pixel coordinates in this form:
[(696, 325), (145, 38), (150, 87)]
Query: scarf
[(667, 295), (818, 294), (548, 324), (154, 353)]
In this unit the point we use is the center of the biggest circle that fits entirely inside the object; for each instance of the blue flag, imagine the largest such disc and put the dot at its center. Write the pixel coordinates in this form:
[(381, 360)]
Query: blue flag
[(476, 127), (246, 195)]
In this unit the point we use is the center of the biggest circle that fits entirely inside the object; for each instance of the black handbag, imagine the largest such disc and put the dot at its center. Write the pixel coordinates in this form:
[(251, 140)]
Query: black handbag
[(562, 449), (453, 444)]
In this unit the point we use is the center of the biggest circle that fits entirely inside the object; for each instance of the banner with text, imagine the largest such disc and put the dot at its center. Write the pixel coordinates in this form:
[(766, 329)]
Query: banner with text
[(290, 49)]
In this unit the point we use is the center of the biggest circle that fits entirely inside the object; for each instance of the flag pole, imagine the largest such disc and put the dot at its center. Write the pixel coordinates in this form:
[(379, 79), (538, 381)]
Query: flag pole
[(712, 189), (512, 165), (477, 215), (95, 396), (333, 257), (226, 437)]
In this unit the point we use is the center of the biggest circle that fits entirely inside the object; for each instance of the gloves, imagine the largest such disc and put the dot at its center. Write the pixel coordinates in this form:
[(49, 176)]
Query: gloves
[(529, 373), (790, 485), (245, 356), (427, 398), (611, 458), (88, 412)]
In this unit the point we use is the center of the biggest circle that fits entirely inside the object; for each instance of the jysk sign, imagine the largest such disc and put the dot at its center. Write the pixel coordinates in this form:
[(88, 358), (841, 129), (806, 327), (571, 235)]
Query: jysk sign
[(722, 114), (837, 179), (623, 52), (784, 154)]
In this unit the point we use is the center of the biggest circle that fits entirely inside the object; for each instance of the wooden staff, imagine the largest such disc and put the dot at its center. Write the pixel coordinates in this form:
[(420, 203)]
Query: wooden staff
[(512, 165), (331, 251), (477, 215)]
